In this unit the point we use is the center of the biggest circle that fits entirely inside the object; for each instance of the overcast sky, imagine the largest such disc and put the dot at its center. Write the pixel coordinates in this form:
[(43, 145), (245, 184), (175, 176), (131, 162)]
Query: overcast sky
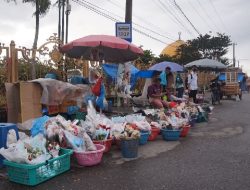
[(160, 16)]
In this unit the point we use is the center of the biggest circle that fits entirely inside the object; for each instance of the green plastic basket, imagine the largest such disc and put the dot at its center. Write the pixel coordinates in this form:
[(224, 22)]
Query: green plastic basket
[(34, 174), (79, 116)]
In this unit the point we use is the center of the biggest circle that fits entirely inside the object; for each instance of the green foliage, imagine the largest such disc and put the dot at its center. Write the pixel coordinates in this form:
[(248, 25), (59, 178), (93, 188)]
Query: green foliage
[(41, 70), (43, 6), (147, 57), (162, 58), (205, 46)]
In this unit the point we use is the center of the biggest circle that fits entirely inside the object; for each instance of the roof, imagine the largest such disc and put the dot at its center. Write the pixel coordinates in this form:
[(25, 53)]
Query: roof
[(171, 49)]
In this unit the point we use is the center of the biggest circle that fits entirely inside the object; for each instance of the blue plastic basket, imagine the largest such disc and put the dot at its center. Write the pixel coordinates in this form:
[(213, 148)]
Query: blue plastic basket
[(34, 174), (144, 137), (129, 148), (170, 135)]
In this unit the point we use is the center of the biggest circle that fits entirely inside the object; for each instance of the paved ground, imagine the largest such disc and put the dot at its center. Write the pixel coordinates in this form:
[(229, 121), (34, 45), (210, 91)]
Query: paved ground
[(215, 156)]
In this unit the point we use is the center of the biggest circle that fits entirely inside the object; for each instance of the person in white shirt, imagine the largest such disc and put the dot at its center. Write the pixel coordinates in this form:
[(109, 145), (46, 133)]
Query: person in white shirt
[(193, 84)]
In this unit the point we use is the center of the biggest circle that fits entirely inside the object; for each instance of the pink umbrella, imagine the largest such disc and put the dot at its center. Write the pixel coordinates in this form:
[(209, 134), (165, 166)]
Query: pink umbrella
[(102, 47)]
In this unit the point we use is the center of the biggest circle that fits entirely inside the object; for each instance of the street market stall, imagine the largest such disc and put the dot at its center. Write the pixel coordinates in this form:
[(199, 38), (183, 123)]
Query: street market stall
[(232, 79)]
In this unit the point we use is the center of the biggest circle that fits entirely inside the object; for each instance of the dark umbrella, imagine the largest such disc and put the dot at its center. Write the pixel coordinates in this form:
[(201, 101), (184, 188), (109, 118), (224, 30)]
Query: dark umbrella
[(102, 47)]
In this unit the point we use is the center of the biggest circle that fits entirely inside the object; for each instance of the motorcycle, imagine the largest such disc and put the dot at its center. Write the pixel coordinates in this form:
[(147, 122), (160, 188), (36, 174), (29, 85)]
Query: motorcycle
[(216, 93)]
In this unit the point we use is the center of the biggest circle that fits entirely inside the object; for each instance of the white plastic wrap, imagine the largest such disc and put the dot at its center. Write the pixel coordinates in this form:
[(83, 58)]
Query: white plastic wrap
[(54, 91), (11, 138), (143, 125), (19, 152)]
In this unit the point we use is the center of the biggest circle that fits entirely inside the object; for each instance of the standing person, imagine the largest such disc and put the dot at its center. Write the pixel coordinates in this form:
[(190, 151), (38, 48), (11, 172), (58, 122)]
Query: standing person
[(193, 84), (155, 94), (179, 86), (170, 82), (163, 77)]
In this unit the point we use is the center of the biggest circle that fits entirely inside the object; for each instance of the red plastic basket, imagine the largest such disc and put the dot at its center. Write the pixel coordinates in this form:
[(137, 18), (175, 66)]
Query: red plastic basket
[(154, 133), (90, 158), (184, 130), (107, 143)]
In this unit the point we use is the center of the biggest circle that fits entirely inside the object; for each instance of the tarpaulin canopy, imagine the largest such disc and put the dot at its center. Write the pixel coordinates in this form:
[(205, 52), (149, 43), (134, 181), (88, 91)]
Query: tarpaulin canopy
[(112, 71), (206, 63)]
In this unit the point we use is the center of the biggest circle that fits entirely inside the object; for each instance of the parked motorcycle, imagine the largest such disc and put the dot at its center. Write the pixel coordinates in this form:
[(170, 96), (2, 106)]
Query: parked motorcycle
[(216, 93)]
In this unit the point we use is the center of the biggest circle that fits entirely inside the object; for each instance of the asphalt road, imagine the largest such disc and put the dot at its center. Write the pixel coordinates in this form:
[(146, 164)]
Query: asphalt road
[(215, 156)]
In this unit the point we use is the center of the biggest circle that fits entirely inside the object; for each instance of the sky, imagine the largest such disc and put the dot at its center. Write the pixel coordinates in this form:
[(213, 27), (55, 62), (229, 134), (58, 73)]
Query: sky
[(160, 19)]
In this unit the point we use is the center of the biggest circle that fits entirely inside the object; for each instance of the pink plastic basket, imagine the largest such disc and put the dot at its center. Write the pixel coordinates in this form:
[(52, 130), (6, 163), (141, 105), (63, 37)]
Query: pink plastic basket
[(90, 158), (107, 143)]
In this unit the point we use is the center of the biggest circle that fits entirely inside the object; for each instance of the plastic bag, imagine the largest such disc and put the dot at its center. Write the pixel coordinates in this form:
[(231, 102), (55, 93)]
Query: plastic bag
[(143, 125), (11, 138), (16, 154), (25, 126), (88, 142), (74, 142), (30, 151), (96, 89), (38, 125), (134, 117)]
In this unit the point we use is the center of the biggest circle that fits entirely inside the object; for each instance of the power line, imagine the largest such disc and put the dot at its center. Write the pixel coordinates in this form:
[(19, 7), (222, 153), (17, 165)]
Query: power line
[(179, 8), (82, 3), (208, 16), (216, 12), (132, 22), (176, 12), (142, 20), (200, 16), (176, 20)]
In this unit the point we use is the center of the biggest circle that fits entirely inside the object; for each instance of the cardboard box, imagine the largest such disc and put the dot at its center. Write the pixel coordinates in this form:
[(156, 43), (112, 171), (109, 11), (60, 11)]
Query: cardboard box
[(23, 101), (53, 110), (66, 103)]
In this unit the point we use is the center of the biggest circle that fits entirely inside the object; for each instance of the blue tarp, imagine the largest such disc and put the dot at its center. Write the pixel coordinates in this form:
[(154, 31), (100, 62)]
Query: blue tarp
[(145, 74), (111, 71), (222, 77)]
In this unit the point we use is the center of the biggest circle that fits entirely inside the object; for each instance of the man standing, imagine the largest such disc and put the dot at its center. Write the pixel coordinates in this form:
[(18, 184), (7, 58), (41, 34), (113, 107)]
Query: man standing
[(193, 84)]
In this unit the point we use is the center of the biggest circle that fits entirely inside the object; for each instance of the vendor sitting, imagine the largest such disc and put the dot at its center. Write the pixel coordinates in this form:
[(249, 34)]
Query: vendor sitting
[(155, 94)]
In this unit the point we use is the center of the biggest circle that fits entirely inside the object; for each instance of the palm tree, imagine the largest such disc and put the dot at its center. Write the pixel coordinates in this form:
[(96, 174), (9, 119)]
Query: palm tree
[(42, 7)]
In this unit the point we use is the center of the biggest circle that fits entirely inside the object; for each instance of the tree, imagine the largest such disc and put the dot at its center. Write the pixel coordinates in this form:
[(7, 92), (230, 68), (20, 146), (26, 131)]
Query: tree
[(42, 7), (147, 57), (162, 58), (204, 46)]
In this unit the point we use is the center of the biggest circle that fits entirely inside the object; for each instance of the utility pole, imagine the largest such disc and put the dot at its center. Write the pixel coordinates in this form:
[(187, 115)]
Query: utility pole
[(128, 14), (234, 54), (63, 8), (68, 10), (59, 19)]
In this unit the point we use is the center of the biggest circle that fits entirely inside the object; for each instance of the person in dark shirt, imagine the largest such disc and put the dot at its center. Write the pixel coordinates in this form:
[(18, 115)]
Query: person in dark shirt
[(155, 94), (170, 83)]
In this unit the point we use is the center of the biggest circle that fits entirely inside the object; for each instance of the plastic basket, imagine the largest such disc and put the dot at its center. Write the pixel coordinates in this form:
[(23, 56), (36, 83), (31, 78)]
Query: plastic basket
[(129, 148), (144, 137), (90, 158), (154, 133), (185, 130), (34, 174), (170, 135), (107, 143), (79, 115)]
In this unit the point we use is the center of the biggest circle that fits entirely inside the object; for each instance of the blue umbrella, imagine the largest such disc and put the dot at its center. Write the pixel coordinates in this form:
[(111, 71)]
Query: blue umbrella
[(162, 66)]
